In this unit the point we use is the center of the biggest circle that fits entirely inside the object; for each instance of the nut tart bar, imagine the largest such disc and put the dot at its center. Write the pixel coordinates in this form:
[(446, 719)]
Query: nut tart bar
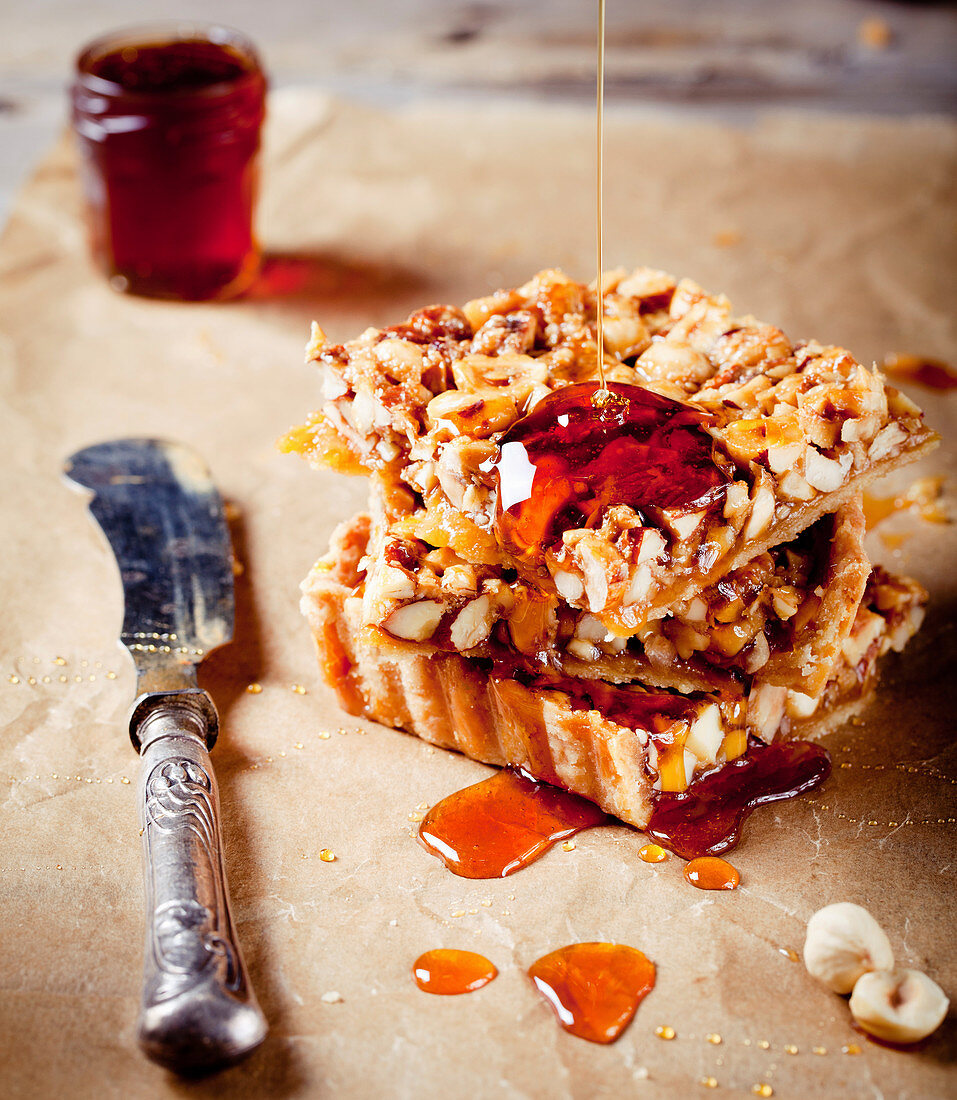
[(781, 618), (616, 745), (717, 438)]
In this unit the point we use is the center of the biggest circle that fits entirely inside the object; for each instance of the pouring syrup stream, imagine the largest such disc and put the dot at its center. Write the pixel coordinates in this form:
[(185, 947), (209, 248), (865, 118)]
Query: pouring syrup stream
[(599, 151), (605, 402)]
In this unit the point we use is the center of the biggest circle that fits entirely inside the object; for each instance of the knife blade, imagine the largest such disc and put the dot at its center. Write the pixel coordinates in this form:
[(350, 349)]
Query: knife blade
[(163, 518)]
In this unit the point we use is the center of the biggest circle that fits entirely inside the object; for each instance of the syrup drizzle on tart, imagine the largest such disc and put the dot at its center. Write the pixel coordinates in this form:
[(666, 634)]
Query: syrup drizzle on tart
[(562, 466)]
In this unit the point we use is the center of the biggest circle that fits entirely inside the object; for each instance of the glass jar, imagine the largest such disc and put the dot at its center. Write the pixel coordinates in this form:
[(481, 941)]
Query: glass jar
[(168, 121)]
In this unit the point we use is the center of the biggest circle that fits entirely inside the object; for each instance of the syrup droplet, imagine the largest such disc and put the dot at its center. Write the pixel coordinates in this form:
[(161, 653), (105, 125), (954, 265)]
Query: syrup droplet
[(712, 873), (594, 988), (665, 1032), (495, 828), (707, 818), (448, 971), (652, 853), (564, 464), (933, 374)]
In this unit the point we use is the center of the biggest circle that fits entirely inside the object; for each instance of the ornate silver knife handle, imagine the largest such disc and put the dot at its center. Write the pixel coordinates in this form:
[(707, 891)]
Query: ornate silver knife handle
[(198, 1011)]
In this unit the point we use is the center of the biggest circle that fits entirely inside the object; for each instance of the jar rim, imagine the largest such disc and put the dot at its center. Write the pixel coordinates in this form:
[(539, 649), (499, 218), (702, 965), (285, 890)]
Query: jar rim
[(160, 34)]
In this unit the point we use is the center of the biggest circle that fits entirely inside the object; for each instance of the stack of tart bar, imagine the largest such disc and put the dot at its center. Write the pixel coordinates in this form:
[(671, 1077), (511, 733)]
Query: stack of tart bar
[(614, 588)]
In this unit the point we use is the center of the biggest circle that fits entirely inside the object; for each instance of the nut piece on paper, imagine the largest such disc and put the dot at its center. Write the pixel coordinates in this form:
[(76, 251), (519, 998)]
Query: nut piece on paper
[(844, 942), (899, 1006)]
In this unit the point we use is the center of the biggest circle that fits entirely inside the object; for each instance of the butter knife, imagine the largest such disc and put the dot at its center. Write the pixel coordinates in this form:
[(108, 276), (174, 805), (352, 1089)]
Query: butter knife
[(163, 519)]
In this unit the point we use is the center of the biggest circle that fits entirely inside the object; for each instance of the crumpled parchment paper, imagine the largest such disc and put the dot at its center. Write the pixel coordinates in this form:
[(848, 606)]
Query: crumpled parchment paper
[(836, 228)]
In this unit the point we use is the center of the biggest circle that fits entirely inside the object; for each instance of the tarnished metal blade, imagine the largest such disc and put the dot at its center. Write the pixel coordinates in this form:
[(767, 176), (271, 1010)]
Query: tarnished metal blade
[(164, 519)]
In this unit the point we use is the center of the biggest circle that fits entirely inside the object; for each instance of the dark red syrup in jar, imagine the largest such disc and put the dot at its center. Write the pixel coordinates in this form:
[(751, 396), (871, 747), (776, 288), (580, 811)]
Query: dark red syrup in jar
[(173, 67), (168, 129), (498, 826), (707, 818), (565, 463), (594, 988)]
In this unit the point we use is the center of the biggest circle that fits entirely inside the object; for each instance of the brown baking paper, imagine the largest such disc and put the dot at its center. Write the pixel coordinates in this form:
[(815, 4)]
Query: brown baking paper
[(834, 228)]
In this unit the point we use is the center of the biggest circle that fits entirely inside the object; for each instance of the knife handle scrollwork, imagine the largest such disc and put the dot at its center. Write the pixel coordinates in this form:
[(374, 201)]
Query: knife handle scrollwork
[(199, 1011)]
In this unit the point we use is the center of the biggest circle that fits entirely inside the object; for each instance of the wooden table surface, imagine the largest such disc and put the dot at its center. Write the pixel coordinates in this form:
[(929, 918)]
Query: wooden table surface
[(729, 56)]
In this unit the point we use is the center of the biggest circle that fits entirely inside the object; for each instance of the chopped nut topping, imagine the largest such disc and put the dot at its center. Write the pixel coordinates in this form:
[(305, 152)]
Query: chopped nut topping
[(427, 402)]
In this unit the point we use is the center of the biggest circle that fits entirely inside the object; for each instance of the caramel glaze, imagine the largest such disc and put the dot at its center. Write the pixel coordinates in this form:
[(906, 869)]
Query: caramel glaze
[(594, 988), (707, 818), (562, 466), (449, 971), (498, 826)]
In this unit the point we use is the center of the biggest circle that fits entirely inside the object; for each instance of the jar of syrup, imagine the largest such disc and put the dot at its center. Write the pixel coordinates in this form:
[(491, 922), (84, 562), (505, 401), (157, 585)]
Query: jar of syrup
[(168, 120)]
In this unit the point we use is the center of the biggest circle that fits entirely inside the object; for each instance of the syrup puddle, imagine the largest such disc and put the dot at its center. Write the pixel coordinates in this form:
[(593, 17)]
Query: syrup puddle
[(594, 988), (707, 818), (502, 824), (498, 826), (448, 971)]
